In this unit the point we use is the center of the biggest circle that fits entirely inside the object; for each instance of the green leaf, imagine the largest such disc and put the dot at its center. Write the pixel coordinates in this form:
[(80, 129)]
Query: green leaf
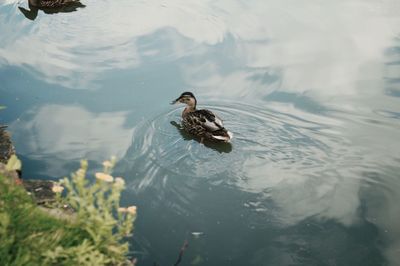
[(13, 163), (2, 107)]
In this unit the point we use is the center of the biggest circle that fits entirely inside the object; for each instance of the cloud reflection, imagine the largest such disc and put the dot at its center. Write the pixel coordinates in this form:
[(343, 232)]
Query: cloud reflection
[(318, 46), (331, 54), (61, 134)]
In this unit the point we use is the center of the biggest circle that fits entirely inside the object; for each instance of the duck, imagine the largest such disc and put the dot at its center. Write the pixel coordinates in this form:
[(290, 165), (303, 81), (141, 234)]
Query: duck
[(49, 7), (202, 123), (55, 3)]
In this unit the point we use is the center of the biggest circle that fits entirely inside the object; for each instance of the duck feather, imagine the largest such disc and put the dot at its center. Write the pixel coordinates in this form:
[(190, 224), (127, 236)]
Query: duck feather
[(205, 123)]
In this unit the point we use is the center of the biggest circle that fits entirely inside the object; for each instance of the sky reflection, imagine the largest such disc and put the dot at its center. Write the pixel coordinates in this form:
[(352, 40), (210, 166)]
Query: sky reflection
[(61, 134), (311, 91), (321, 48)]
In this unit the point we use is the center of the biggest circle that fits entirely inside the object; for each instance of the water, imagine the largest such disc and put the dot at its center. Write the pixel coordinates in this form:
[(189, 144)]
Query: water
[(309, 88)]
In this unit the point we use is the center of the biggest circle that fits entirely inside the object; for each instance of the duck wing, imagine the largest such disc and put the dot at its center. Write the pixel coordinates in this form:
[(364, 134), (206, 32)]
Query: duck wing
[(59, 3), (208, 120)]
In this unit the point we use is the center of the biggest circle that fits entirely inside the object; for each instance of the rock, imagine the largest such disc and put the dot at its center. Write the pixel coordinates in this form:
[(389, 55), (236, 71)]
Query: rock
[(41, 190), (64, 212), (6, 150), (6, 146)]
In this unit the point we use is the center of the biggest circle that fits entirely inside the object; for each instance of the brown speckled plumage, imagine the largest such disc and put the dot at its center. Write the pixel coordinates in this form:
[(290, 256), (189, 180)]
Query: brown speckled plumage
[(50, 7), (54, 3), (202, 123)]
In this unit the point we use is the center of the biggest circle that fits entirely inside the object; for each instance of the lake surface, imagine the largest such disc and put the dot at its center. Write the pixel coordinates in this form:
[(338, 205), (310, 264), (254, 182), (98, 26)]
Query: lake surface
[(310, 89)]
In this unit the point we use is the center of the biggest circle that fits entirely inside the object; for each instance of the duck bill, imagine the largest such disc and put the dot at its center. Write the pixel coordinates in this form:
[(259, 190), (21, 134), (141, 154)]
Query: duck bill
[(175, 101)]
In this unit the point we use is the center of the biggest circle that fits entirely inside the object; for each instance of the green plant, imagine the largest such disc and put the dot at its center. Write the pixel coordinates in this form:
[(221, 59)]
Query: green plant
[(98, 214), (13, 163), (26, 232), (95, 235)]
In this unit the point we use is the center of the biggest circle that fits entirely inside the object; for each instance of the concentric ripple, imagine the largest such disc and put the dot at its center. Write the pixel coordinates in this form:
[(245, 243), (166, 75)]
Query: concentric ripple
[(266, 144)]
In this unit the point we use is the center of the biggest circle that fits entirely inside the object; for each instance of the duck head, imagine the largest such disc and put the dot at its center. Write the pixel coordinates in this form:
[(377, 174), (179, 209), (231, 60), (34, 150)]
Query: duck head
[(186, 98)]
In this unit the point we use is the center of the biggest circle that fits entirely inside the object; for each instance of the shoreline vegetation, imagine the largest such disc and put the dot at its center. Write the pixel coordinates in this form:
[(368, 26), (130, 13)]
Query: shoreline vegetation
[(76, 221)]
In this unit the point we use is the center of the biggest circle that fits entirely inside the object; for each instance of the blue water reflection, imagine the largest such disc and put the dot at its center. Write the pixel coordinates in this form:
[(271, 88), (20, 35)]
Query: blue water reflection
[(310, 90)]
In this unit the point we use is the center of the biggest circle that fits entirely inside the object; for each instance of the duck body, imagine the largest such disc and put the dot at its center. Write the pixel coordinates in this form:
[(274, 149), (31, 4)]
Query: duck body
[(205, 124), (55, 3), (49, 7), (202, 123)]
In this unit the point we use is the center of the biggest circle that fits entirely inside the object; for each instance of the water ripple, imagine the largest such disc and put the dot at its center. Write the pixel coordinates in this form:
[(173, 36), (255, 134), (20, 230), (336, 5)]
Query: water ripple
[(262, 137)]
